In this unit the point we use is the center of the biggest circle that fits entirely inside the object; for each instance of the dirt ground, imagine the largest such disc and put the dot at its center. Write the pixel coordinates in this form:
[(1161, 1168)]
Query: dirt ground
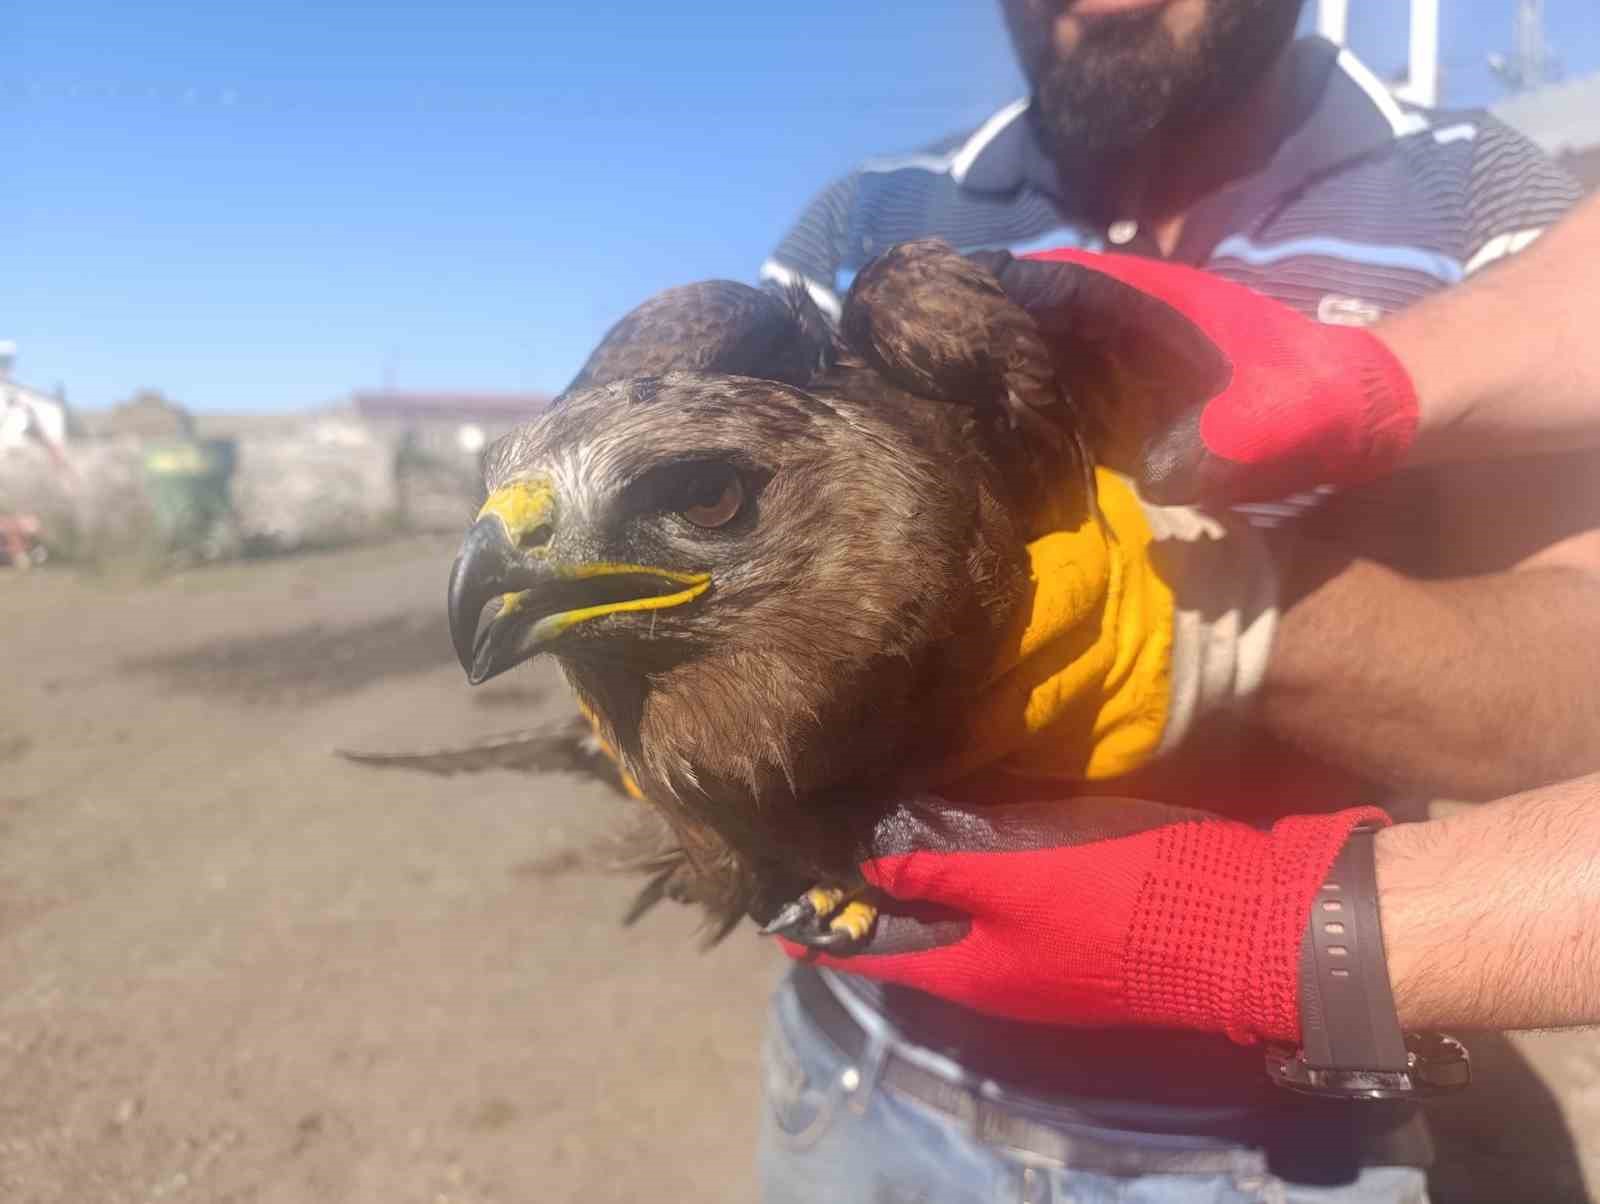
[(234, 967)]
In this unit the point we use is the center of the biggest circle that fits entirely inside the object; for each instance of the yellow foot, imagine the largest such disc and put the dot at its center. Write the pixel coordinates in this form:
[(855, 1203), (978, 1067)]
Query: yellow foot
[(855, 920), (823, 900), (826, 918)]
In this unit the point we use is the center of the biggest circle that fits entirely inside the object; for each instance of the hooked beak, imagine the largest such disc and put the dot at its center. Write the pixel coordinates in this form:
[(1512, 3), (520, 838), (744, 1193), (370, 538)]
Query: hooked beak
[(508, 562)]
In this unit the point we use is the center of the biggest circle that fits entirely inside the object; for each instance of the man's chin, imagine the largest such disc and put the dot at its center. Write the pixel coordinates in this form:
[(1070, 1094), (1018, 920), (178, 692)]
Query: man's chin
[(1082, 123)]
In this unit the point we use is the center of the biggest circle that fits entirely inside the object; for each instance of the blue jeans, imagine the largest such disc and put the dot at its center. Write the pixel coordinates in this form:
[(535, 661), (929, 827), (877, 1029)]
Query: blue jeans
[(831, 1136)]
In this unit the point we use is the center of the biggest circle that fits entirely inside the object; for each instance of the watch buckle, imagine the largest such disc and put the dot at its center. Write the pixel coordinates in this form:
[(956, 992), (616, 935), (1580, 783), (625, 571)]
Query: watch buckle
[(1435, 1065)]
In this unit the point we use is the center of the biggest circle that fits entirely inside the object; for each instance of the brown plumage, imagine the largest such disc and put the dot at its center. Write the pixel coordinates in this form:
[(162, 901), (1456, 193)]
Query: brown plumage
[(713, 326), (883, 483)]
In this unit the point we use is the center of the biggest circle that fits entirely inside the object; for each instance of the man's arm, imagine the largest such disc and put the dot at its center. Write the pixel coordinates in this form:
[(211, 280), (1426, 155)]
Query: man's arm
[(1472, 688), (1491, 918), (1509, 363)]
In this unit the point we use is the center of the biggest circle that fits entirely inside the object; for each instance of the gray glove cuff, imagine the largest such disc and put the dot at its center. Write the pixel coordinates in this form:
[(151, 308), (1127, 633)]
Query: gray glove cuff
[(1225, 593)]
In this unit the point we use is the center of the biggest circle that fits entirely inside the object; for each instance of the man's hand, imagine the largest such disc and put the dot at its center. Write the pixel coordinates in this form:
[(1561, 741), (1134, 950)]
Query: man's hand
[(1232, 396), (1099, 912)]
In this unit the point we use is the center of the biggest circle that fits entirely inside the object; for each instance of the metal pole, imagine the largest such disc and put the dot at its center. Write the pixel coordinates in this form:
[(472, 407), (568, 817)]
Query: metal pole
[(1424, 73), (1530, 64), (1333, 19)]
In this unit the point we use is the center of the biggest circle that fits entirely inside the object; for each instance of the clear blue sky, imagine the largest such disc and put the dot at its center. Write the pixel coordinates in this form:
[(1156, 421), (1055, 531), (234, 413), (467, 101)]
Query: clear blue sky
[(256, 205)]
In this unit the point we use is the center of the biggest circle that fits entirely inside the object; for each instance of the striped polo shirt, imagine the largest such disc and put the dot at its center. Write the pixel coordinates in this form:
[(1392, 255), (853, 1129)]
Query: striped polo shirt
[(1368, 206)]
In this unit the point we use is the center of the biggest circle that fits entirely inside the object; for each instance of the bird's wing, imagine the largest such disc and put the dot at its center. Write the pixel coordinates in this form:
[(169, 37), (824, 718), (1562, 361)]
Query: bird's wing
[(1124, 355), (567, 747), (715, 326), (940, 326)]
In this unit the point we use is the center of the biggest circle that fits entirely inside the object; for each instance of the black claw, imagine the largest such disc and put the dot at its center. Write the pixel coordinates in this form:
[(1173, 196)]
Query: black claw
[(791, 916), (835, 941)]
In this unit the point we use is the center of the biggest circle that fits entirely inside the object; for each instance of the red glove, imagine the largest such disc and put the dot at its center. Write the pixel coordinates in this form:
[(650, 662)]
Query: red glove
[(1234, 396), (1099, 912)]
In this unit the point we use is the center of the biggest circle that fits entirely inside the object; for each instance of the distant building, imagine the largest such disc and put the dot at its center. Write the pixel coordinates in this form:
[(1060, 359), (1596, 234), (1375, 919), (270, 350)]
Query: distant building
[(26, 414), (1564, 119), (439, 440)]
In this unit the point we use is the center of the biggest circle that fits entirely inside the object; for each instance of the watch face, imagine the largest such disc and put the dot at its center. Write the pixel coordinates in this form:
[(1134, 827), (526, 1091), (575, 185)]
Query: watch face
[(1437, 1064)]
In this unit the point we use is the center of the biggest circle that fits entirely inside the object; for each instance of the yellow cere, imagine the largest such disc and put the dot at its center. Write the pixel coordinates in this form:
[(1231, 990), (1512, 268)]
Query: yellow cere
[(521, 506)]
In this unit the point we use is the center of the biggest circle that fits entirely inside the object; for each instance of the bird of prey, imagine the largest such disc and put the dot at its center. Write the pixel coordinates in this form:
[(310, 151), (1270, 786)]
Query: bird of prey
[(774, 559)]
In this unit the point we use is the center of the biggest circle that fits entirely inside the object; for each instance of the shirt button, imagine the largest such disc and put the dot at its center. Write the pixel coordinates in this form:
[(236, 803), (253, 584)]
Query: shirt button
[(1123, 232)]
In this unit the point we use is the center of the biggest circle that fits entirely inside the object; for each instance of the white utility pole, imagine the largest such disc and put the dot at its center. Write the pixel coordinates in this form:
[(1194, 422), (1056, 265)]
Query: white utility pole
[(1333, 19), (1422, 75), (1422, 61)]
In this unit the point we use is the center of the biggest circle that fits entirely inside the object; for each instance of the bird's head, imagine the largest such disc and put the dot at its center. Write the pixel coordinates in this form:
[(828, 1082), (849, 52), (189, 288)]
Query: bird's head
[(732, 571)]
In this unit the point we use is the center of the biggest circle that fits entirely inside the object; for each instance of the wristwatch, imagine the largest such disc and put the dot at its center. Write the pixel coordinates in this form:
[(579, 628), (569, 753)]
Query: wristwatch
[(1351, 1045)]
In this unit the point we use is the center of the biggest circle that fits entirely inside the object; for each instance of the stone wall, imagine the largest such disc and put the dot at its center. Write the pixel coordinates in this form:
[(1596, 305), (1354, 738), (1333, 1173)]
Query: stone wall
[(319, 483), (97, 507), (332, 483)]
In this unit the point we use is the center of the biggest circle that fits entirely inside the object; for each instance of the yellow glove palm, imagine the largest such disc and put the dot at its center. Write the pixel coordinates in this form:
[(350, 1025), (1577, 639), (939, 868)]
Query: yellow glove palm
[(1083, 687)]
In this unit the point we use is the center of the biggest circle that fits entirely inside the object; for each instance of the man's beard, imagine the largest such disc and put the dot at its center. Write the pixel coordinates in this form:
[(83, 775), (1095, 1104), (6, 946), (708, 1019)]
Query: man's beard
[(1127, 78)]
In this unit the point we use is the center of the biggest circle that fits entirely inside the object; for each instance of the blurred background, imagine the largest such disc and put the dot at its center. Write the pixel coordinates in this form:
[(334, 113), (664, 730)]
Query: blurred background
[(273, 275)]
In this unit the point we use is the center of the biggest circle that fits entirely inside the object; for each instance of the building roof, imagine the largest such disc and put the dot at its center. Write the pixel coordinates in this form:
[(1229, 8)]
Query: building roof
[(1562, 118), (448, 407)]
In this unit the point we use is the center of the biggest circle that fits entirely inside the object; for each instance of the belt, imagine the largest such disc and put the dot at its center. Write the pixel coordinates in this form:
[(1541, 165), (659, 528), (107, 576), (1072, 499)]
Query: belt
[(1299, 1138)]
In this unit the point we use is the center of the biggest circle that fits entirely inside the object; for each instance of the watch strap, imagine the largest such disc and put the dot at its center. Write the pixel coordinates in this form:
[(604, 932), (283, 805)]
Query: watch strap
[(1347, 1013)]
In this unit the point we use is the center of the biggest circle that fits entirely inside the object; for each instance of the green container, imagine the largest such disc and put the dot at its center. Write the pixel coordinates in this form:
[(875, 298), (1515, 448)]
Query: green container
[(187, 482)]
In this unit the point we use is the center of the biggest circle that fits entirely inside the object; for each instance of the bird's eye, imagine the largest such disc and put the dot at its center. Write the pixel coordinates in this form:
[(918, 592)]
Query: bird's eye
[(713, 497)]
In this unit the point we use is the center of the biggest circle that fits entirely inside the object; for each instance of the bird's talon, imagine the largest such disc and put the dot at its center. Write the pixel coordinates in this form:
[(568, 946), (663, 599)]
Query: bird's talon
[(824, 918)]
